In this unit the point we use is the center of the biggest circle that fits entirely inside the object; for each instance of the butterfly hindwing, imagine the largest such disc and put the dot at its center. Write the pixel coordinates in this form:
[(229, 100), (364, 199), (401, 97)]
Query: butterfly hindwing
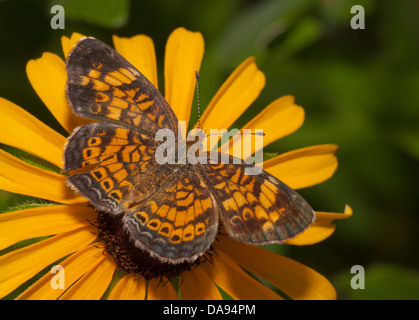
[(102, 85), (257, 209), (179, 222)]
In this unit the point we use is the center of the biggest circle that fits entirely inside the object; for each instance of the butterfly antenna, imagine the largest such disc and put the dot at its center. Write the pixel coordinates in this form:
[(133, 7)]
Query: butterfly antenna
[(197, 98), (199, 111)]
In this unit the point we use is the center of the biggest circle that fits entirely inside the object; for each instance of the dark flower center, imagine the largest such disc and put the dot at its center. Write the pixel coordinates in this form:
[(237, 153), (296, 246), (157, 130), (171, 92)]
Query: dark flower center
[(134, 260)]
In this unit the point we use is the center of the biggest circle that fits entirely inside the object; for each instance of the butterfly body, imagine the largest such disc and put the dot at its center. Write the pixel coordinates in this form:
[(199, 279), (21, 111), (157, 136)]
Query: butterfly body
[(170, 210)]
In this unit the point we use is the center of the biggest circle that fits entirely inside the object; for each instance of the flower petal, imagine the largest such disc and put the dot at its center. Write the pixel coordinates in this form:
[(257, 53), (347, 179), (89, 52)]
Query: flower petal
[(74, 267), (20, 177), (198, 285), (293, 278), (184, 52), (139, 50), (20, 265), (237, 93), (68, 43), (159, 291), (94, 283), (232, 279), (321, 229), (128, 288), (21, 130), (304, 167), (48, 77), (42, 221), (132, 288), (278, 119)]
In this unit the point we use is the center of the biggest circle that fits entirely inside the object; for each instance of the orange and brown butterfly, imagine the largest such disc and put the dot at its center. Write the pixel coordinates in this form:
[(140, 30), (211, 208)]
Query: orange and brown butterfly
[(172, 211)]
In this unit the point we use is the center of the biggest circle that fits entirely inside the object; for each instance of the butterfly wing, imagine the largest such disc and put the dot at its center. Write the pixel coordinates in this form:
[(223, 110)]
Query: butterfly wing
[(108, 162), (256, 209), (179, 222), (102, 85)]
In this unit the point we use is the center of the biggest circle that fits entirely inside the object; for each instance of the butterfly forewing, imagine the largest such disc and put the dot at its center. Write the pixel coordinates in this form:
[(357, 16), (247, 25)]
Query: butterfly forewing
[(102, 85), (109, 161)]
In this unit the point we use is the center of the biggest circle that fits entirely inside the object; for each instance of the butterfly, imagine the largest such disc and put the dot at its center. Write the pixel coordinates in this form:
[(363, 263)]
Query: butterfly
[(171, 210)]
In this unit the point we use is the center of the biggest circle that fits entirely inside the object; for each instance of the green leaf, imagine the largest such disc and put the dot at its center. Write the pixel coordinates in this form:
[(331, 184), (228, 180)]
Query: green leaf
[(408, 140), (29, 205), (255, 28), (105, 13), (269, 155), (305, 33)]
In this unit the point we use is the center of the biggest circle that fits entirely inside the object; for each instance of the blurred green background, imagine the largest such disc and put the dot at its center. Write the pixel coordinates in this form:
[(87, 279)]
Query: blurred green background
[(359, 88)]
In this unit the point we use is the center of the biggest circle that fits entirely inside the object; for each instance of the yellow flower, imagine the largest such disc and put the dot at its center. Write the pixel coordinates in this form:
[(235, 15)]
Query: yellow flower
[(69, 236)]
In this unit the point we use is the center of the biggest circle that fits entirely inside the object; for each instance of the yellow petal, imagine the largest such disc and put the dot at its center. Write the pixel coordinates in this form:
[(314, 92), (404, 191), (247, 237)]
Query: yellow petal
[(304, 167), (74, 267), (21, 130), (94, 283), (68, 43), (321, 229), (20, 265), (20, 177), (293, 278), (278, 119), (183, 56), (237, 93), (159, 291), (226, 273), (48, 78), (139, 50), (129, 287), (197, 285), (42, 221)]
